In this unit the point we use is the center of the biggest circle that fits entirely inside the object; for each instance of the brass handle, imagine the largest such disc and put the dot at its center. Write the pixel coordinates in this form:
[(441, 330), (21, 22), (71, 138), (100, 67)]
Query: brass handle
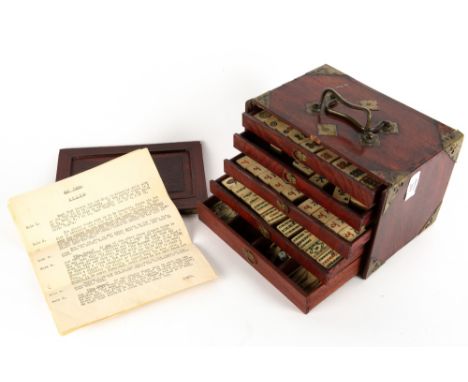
[(330, 98), (249, 256)]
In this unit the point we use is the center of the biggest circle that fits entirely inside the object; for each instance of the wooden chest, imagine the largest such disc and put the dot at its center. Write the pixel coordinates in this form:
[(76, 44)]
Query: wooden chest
[(333, 178)]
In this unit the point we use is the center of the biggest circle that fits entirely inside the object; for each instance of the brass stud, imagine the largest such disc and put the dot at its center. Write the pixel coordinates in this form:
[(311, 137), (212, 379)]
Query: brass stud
[(249, 256)]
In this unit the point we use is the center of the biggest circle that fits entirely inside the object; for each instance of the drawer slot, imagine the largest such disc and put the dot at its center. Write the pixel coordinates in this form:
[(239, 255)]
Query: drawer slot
[(284, 166), (351, 185), (286, 275)]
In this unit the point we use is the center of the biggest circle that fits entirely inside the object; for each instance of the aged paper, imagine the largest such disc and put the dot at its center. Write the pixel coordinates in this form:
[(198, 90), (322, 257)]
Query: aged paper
[(106, 241)]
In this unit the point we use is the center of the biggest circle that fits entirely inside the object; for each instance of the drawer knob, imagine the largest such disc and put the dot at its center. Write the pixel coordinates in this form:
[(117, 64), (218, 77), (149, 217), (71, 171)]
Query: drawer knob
[(264, 231), (249, 256), (300, 156), (290, 178), (282, 206)]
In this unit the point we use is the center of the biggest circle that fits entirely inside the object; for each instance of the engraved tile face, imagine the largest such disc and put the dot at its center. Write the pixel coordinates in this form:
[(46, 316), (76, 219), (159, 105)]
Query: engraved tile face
[(262, 207), (303, 168), (263, 116), (327, 155), (341, 196), (245, 161), (348, 232), (336, 225), (315, 249), (244, 194), (308, 242), (232, 184), (278, 184), (319, 180), (323, 215), (309, 206), (296, 136), (301, 237), (310, 145), (340, 163), (291, 193), (273, 217), (370, 182), (354, 172), (289, 228), (223, 211), (256, 169), (267, 177)]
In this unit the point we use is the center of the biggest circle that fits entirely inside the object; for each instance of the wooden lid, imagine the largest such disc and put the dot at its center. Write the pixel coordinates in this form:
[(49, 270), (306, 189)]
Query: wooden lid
[(397, 147), (179, 164)]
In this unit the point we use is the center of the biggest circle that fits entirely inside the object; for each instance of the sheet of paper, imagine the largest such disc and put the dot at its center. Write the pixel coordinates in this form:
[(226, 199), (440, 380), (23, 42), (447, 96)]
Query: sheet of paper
[(106, 241)]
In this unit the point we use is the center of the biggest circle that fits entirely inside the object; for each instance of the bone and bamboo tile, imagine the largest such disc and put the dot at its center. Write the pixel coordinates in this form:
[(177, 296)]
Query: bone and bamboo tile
[(291, 193), (303, 168), (327, 155), (341, 196), (309, 206), (311, 146), (289, 228), (319, 180), (323, 215)]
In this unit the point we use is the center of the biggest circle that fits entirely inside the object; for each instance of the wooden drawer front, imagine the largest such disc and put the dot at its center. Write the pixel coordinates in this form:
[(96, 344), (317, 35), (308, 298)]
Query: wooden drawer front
[(275, 274), (270, 232), (358, 190), (356, 218), (338, 243)]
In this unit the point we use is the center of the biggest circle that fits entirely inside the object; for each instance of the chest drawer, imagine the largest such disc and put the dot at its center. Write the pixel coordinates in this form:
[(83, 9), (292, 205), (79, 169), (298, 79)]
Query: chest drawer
[(297, 240), (270, 260), (360, 185), (302, 177), (347, 243)]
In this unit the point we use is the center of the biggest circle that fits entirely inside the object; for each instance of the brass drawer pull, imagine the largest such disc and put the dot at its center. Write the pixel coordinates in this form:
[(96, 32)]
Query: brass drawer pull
[(300, 156), (265, 233), (330, 98), (249, 256), (282, 206), (289, 178)]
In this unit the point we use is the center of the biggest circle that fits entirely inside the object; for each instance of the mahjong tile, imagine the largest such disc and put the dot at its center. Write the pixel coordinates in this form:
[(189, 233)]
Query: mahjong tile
[(245, 161), (309, 206), (327, 155), (303, 168), (336, 224), (341, 196), (263, 115), (291, 193), (232, 185), (323, 215), (296, 136), (349, 233), (274, 217), (340, 163), (319, 180), (277, 184), (370, 182), (311, 146)]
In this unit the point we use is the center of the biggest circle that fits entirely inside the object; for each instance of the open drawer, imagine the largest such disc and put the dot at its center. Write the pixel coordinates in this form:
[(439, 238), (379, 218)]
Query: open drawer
[(325, 268), (346, 245), (359, 184), (351, 211), (269, 259)]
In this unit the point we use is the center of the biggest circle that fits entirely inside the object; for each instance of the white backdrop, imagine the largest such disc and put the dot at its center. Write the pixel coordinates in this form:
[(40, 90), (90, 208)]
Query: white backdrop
[(94, 73)]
